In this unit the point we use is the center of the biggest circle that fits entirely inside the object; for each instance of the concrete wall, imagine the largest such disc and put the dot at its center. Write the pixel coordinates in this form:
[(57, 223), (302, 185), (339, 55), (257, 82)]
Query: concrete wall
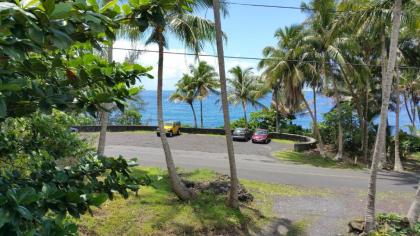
[(303, 143)]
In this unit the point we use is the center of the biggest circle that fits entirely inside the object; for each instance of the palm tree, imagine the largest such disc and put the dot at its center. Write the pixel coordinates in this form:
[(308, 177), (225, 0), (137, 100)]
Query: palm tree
[(185, 93), (380, 137), (205, 82), (245, 88), (414, 210), (327, 49), (155, 20), (290, 61), (269, 63), (233, 194), (397, 160)]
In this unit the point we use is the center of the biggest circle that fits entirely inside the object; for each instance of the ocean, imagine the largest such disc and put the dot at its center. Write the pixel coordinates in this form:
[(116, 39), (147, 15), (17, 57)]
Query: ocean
[(213, 115)]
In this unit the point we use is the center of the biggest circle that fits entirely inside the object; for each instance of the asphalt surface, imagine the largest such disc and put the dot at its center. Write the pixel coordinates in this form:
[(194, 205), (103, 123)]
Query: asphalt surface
[(254, 161)]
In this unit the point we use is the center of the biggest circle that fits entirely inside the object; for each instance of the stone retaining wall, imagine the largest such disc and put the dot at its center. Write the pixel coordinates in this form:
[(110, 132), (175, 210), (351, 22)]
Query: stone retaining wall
[(303, 143)]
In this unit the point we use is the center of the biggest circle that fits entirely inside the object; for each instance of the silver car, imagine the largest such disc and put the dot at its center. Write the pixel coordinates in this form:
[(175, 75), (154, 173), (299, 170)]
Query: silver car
[(243, 134)]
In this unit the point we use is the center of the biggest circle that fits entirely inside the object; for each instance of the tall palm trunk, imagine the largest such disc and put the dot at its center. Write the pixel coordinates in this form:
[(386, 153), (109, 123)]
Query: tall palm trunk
[(276, 103), (315, 110), (366, 126), (397, 160), (380, 138), (406, 101), (414, 211), (233, 196), (317, 133), (339, 155), (201, 113), (195, 117), (384, 56), (177, 186), (103, 114), (245, 116)]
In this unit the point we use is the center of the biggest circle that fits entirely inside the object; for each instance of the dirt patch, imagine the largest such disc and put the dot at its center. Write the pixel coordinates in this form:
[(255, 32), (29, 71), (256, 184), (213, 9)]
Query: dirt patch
[(219, 186)]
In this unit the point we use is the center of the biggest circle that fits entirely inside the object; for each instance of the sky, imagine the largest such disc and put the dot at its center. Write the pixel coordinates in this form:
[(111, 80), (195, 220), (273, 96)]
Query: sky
[(249, 30)]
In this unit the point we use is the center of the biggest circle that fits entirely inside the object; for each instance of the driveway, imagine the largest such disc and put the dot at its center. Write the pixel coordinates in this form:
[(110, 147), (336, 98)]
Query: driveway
[(254, 161), (323, 215)]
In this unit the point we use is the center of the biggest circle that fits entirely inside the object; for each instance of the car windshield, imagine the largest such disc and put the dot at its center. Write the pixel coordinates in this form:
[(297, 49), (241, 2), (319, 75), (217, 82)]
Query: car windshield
[(261, 131), (239, 130)]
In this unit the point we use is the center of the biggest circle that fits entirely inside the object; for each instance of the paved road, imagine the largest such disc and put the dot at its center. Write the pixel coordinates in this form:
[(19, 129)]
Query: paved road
[(253, 162)]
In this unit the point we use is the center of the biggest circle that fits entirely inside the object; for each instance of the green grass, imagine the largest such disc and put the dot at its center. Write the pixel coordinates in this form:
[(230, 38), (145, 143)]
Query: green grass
[(314, 160), (157, 211), (283, 141)]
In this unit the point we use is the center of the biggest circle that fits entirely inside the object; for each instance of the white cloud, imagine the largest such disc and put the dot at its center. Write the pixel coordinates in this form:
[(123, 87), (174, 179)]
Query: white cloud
[(174, 65)]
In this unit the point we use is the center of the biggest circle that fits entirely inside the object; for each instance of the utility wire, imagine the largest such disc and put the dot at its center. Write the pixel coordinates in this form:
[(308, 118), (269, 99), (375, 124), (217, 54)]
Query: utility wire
[(245, 58), (287, 7)]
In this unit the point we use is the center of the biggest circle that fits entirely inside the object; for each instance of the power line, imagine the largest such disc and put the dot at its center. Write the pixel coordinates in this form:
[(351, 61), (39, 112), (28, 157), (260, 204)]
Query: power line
[(286, 7), (245, 58)]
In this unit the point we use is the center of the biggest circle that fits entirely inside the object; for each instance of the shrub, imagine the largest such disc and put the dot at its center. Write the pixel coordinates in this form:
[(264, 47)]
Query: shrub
[(351, 129), (130, 117), (393, 224), (266, 119)]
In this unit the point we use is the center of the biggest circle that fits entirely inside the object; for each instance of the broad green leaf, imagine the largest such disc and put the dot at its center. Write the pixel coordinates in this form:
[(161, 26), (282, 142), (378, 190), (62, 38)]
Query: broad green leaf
[(109, 5), (62, 10), (127, 9), (97, 199), (13, 85), (134, 91), (49, 6), (26, 196), (24, 212), (4, 217)]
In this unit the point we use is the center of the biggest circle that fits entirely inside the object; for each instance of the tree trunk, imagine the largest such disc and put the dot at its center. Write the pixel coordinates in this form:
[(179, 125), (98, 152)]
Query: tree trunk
[(195, 117), (245, 117), (339, 155), (276, 102), (315, 111), (408, 110), (233, 196), (380, 138), (414, 211), (104, 114), (201, 113), (384, 56), (318, 134), (177, 186), (366, 127), (397, 160)]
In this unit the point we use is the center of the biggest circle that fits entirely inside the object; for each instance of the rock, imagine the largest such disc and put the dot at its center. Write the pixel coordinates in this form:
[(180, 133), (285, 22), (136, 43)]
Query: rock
[(220, 186), (282, 230), (356, 226)]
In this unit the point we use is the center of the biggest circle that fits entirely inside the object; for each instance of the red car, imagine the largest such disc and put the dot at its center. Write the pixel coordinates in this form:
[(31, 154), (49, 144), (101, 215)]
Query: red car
[(261, 136)]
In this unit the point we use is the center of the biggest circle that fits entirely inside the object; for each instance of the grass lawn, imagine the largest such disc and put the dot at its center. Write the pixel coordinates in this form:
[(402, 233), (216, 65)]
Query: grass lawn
[(314, 160), (283, 141), (157, 211)]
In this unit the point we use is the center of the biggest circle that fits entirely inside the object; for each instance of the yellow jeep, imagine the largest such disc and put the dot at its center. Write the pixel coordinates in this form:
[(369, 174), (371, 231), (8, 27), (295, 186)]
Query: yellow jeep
[(171, 128)]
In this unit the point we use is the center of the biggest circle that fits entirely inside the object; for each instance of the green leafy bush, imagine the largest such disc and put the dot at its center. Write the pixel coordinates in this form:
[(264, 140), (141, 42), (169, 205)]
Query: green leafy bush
[(350, 123), (266, 119), (130, 117), (395, 225), (408, 144)]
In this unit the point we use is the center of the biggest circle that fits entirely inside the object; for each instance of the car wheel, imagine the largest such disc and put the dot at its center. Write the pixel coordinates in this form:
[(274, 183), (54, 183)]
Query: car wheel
[(266, 141), (171, 134), (158, 134)]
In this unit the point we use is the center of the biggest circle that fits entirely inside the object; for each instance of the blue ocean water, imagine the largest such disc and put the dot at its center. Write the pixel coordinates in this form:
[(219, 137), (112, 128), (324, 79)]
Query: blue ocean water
[(213, 115)]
